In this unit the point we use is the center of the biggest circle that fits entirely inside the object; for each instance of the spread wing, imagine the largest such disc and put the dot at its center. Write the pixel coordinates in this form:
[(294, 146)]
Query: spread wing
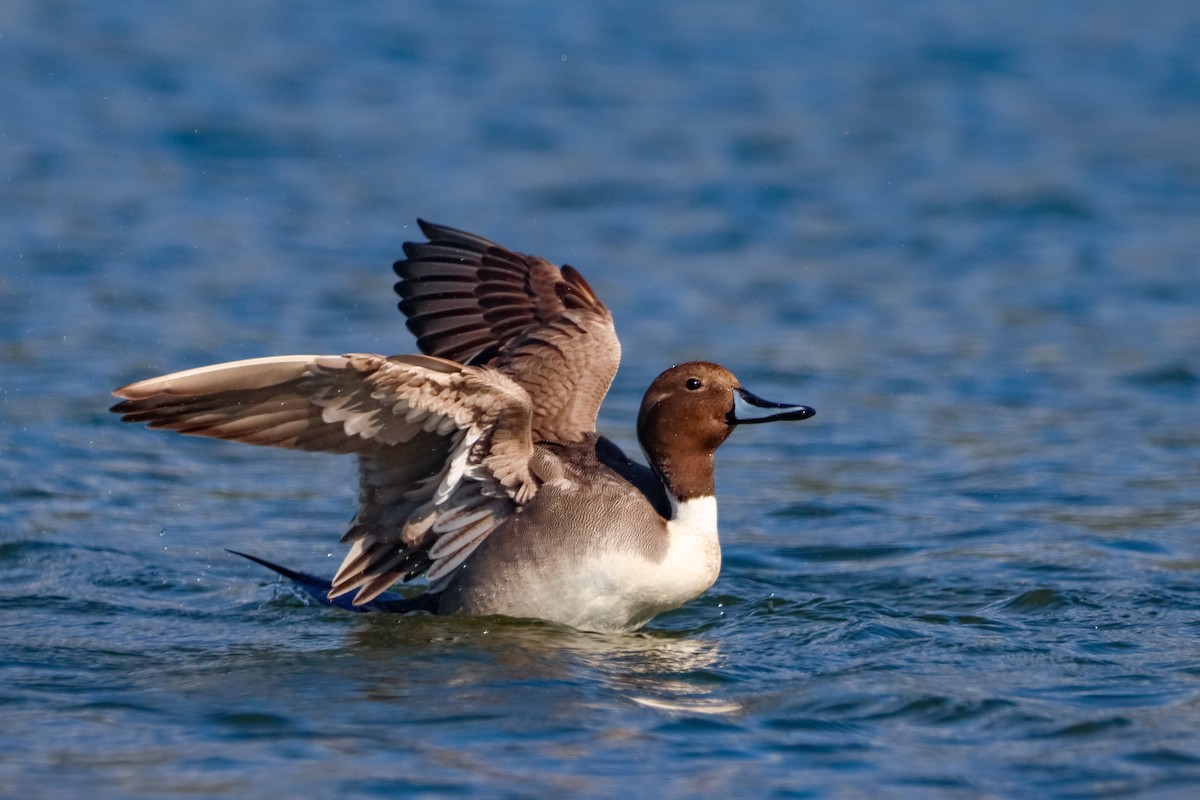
[(443, 449), (473, 301)]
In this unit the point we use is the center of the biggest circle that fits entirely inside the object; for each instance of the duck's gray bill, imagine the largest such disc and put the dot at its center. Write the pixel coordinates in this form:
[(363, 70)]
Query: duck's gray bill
[(750, 408)]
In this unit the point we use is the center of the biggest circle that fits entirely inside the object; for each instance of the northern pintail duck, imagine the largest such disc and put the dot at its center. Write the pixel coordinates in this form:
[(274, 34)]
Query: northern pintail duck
[(479, 463)]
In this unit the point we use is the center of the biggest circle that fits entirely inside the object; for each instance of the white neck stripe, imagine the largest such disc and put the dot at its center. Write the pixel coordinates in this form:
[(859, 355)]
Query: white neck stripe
[(697, 514)]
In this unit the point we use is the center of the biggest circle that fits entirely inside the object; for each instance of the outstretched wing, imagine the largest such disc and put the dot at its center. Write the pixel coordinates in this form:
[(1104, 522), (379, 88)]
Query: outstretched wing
[(473, 301), (443, 448)]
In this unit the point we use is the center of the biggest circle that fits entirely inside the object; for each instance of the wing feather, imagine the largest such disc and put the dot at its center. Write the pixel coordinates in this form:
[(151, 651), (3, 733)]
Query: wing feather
[(473, 301), (443, 448)]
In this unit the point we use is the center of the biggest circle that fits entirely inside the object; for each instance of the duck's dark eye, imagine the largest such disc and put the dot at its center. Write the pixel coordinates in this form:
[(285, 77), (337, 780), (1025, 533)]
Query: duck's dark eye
[(692, 384)]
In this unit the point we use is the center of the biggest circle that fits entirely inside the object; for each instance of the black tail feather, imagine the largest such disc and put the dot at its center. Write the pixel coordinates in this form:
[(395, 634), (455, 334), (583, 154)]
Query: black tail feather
[(318, 589)]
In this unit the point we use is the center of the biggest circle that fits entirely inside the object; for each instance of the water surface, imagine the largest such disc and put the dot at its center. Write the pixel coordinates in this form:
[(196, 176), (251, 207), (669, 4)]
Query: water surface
[(967, 235)]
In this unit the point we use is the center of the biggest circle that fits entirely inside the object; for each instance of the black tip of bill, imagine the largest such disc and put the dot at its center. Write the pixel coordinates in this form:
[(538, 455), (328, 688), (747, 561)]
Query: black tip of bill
[(749, 408)]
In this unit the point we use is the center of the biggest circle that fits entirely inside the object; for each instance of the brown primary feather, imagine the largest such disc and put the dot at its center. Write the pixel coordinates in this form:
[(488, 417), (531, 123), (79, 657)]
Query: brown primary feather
[(471, 300)]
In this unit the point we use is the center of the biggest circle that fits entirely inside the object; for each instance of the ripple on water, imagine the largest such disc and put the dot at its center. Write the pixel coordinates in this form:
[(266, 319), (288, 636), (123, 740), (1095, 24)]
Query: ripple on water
[(1041, 600), (1086, 728)]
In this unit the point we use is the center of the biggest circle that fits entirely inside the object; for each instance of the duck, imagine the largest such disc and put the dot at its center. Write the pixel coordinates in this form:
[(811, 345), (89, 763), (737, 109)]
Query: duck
[(480, 469)]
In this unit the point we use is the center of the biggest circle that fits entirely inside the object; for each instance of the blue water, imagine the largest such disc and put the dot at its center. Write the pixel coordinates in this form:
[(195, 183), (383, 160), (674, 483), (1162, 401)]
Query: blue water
[(968, 234)]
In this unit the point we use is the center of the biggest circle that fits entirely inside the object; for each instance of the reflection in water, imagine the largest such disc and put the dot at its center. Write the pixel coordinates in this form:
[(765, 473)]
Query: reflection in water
[(660, 669)]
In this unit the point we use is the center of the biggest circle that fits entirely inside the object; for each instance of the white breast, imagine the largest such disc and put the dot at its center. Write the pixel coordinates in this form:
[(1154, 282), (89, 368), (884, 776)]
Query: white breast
[(621, 591), (694, 554)]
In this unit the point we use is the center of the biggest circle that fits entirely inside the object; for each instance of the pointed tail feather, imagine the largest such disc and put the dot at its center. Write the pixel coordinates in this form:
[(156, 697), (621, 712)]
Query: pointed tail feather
[(318, 589)]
